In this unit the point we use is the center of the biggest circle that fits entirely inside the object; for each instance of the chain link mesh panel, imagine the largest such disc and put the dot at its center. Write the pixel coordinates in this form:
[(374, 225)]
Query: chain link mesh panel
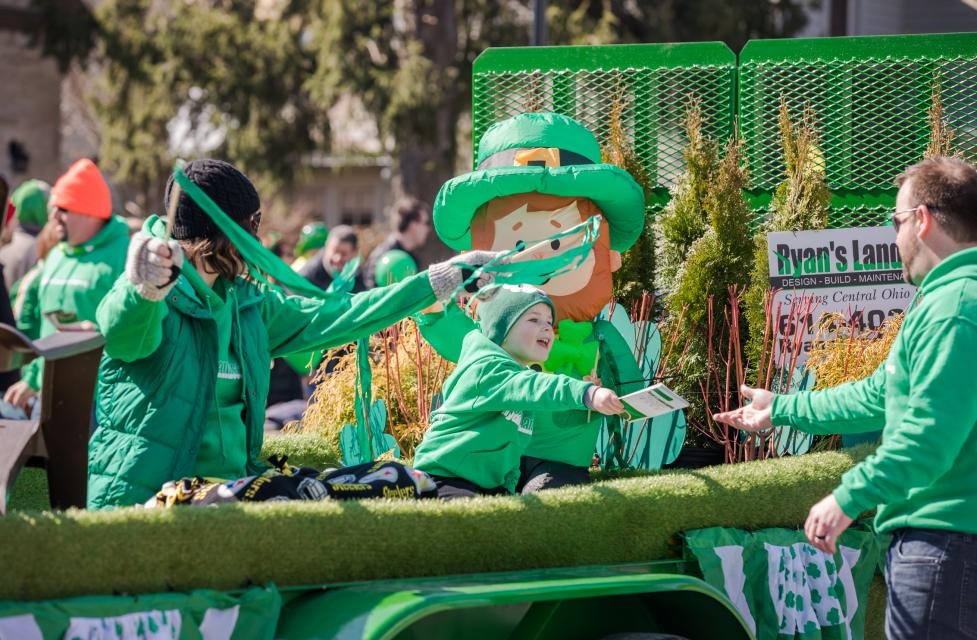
[(871, 97), (646, 86)]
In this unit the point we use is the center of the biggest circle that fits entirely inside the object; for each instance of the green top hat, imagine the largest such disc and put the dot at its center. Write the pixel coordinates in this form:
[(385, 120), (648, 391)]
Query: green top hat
[(580, 174)]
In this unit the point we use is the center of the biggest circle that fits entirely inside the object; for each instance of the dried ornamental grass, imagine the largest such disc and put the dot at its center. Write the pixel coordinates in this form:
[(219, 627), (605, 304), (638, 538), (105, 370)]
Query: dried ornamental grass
[(941, 134), (637, 272), (407, 375), (849, 354)]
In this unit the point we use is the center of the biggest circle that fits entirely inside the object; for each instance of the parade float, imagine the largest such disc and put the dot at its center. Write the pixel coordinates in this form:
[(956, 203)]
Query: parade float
[(641, 552)]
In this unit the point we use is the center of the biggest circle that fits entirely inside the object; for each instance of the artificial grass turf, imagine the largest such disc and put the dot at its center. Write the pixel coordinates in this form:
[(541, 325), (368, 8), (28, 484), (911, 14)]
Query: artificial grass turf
[(29, 491), (49, 555), (302, 449)]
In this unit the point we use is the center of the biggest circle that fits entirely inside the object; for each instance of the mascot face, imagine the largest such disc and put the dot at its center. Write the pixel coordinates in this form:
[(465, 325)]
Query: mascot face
[(527, 218)]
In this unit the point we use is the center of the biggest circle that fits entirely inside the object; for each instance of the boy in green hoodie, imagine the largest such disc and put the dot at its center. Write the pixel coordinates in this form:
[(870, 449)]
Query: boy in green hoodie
[(480, 432), (923, 477)]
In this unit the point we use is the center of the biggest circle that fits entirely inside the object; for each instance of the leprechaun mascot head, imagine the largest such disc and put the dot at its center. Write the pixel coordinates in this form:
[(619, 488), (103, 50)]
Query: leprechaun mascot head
[(539, 174)]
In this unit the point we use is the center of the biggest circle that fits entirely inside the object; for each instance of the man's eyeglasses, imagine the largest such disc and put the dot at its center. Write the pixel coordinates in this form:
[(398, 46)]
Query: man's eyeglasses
[(896, 222)]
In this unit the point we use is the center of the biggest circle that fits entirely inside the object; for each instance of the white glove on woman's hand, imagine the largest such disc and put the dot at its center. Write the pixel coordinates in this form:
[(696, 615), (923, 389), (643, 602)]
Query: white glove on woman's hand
[(153, 265), (447, 276)]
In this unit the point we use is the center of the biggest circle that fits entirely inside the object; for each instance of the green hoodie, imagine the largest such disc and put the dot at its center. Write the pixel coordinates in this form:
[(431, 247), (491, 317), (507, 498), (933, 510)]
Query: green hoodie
[(924, 473), (553, 439), (486, 421), (72, 283)]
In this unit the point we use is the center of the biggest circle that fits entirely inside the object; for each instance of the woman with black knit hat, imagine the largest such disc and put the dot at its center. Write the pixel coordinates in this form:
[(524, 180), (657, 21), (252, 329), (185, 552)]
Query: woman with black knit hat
[(184, 378)]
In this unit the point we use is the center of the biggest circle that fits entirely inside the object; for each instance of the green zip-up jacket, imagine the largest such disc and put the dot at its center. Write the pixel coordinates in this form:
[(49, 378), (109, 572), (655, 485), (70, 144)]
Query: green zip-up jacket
[(72, 283), (486, 422), (924, 474), (158, 374)]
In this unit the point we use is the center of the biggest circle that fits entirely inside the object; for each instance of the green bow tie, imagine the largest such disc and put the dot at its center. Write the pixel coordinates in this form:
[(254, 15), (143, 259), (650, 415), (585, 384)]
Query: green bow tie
[(570, 355)]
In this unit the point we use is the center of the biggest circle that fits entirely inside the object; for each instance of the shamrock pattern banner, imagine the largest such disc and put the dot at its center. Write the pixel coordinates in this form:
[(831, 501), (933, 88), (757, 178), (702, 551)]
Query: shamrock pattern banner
[(784, 587), (198, 615)]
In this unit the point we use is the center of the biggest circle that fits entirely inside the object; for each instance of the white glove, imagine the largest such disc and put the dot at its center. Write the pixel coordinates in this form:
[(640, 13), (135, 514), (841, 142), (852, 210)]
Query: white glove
[(153, 265), (447, 276)]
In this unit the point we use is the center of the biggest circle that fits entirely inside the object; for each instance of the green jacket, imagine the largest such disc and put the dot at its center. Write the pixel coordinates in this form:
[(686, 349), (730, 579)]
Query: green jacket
[(486, 422), (924, 473), (552, 440), (158, 374), (71, 284)]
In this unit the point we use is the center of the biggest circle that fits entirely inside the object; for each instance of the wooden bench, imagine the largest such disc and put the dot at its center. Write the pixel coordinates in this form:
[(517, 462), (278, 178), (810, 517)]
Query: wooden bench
[(56, 436)]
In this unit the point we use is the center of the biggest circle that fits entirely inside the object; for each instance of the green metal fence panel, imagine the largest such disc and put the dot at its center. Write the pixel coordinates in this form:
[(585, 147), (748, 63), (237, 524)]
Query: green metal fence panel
[(871, 97), (648, 85)]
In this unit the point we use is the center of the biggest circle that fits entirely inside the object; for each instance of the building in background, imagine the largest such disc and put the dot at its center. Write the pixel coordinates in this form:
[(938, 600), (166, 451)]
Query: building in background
[(886, 17), (30, 101), (352, 183)]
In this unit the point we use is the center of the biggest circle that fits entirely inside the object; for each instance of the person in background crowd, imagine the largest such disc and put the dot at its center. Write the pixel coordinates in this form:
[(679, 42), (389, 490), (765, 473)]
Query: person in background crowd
[(412, 224), (312, 238), (79, 271), (341, 247), (922, 478), (6, 210), (25, 296), (289, 389), (7, 378), (30, 202)]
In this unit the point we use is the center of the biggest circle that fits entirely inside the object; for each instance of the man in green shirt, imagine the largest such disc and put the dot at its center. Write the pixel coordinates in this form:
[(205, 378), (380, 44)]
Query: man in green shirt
[(923, 477)]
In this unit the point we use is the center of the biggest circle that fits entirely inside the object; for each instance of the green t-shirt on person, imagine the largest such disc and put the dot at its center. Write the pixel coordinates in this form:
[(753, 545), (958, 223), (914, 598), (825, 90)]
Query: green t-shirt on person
[(223, 449)]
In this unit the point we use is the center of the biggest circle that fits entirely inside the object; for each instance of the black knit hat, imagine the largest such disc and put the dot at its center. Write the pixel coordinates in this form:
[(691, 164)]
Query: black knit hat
[(225, 185)]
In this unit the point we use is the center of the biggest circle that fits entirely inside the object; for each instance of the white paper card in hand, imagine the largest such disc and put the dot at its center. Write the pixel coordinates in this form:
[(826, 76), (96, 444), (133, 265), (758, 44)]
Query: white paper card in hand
[(652, 401)]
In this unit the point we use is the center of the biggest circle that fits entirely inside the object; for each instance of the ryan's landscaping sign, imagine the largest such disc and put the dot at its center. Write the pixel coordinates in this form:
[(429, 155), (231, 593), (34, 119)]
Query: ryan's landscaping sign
[(856, 273)]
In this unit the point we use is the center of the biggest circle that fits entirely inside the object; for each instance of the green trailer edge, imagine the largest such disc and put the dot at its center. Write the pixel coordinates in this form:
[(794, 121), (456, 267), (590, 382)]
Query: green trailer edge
[(534, 604)]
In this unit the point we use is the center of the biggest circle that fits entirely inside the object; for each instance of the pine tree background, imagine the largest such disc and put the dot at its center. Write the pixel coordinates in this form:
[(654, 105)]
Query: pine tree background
[(683, 220), (799, 203), (637, 271), (705, 248)]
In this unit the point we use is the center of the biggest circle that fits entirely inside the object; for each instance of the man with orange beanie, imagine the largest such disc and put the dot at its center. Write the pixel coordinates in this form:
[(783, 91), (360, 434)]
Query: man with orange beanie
[(80, 270)]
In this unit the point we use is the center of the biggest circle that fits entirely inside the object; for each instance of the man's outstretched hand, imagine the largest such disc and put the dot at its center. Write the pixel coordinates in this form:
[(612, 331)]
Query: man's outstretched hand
[(750, 417)]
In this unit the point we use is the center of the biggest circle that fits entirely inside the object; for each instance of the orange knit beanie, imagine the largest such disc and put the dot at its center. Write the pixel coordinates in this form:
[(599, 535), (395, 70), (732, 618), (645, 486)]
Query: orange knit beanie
[(82, 189)]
